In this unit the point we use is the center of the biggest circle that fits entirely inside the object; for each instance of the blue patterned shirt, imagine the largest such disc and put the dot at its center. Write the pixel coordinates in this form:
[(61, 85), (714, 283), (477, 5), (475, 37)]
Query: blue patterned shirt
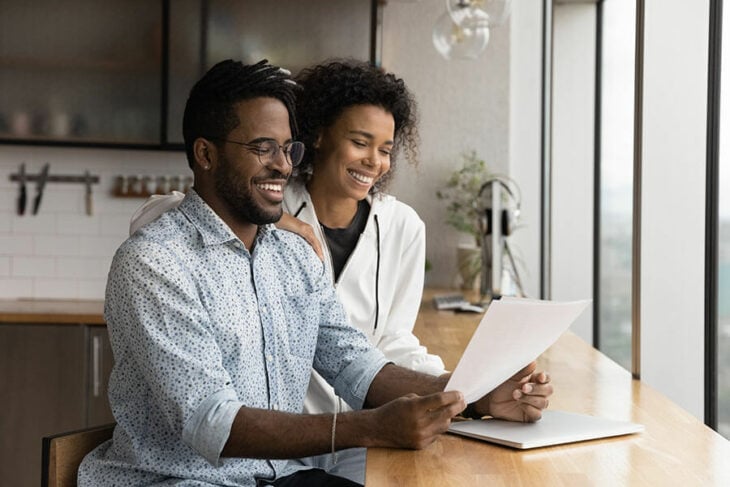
[(201, 327)]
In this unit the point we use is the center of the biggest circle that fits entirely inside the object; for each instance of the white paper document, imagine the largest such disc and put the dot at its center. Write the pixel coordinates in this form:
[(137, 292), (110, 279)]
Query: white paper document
[(512, 333)]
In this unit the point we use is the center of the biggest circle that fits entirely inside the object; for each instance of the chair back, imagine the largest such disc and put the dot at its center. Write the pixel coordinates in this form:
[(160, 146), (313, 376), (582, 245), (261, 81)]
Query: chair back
[(63, 453)]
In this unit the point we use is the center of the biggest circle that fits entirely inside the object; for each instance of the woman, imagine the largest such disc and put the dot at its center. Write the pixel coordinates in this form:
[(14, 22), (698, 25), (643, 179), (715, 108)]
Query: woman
[(353, 119)]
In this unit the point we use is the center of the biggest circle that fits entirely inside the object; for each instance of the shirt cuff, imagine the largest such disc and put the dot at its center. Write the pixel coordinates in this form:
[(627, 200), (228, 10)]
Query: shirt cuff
[(208, 429), (353, 383)]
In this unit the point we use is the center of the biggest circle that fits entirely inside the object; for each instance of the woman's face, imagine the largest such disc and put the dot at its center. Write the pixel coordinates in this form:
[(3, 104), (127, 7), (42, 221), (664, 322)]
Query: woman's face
[(354, 152)]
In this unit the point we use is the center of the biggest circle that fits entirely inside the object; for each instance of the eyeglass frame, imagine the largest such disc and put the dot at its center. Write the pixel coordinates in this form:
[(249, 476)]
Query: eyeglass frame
[(254, 147)]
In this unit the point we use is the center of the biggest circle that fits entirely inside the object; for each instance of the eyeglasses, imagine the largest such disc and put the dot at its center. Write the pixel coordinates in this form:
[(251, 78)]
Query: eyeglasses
[(268, 150)]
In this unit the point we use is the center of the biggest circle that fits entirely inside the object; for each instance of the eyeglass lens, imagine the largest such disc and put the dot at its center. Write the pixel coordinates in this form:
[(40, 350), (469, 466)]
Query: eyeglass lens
[(268, 151)]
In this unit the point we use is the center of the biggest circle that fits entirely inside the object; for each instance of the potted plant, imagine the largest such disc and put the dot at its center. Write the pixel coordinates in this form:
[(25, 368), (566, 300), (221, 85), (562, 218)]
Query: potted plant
[(462, 212)]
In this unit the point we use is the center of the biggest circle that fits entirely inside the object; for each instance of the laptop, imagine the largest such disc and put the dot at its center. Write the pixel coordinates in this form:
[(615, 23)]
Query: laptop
[(555, 428)]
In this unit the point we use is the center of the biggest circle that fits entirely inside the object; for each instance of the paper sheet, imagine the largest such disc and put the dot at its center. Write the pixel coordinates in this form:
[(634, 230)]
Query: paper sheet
[(512, 333)]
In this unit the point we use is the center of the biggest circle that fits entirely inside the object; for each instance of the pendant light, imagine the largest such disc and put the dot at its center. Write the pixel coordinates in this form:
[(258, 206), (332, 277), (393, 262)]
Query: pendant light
[(462, 32)]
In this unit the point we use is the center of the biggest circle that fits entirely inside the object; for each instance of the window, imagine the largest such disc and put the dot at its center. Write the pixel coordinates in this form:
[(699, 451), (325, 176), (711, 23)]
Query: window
[(723, 289), (616, 176)]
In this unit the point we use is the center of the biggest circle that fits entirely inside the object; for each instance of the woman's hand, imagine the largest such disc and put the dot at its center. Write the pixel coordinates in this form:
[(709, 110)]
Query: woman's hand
[(304, 230)]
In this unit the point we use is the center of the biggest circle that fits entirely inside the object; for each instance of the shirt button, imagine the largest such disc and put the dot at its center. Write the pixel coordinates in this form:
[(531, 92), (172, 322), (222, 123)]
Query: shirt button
[(269, 357), (275, 407)]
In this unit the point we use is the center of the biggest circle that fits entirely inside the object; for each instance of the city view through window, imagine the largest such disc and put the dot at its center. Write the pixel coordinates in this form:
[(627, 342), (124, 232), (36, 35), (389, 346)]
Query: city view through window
[(617, 149), (723, 288)]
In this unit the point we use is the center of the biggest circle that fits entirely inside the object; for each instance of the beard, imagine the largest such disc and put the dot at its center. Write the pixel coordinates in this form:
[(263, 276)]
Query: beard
[(237, 193)]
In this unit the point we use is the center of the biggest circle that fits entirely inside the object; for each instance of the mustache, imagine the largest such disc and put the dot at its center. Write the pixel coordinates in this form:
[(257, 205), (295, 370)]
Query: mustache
[(273, 175)]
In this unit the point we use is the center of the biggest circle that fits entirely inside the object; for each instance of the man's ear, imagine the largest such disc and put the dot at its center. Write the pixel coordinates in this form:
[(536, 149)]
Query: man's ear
[(205, 154)]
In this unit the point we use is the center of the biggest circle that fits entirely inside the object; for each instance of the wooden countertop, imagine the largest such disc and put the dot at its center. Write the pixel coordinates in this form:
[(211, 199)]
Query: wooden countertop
[(52, 311), (675, 449)]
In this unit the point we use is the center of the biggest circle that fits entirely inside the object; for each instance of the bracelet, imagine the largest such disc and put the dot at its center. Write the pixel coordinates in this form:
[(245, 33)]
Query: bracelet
[(334, 429), (471, 412)]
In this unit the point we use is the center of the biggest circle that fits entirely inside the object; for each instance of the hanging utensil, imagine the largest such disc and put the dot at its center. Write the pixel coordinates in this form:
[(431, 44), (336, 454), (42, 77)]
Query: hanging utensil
[(89, 202), (23, 196), (40, 185)]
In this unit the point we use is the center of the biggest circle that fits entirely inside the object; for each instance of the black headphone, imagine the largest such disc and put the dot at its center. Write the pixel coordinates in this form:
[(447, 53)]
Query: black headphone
[(510, 214)]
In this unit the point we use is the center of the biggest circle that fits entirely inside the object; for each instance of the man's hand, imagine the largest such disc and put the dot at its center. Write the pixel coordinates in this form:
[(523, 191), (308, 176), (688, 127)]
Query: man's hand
[(304, 230), (414, 421), (522, 397)]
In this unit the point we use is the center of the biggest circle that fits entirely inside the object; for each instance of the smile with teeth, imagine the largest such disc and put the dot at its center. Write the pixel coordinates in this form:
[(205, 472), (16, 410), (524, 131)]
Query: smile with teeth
[(360, 177), (271, 187)]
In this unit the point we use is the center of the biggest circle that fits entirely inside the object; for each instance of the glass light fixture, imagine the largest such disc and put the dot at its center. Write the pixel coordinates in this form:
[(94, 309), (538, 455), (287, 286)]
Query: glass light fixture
[(455, 41), (465, 12), (498, 11)]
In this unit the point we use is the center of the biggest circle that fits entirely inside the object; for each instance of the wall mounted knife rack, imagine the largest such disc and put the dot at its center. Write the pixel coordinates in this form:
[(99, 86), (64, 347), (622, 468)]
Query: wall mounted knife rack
[(58, 178)]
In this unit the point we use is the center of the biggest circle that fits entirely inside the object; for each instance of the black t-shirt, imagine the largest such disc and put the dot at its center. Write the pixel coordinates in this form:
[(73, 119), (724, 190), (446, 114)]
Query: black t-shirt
[(342, 241)]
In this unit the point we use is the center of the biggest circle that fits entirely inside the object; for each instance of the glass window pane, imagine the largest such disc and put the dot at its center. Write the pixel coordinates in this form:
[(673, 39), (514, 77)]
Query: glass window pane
[(80, 70), (723, 290), (617, 149)]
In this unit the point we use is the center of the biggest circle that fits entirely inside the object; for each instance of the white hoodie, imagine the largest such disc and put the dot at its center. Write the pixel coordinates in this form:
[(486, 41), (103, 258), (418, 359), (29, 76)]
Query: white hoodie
[(392, 253), (389, 257)]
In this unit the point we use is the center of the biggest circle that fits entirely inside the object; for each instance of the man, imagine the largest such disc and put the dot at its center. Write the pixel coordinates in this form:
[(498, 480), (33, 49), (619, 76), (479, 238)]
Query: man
[(216, 319)]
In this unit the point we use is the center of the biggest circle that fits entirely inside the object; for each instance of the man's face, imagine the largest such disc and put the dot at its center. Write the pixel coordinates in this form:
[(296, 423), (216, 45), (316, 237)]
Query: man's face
[(251, 191)]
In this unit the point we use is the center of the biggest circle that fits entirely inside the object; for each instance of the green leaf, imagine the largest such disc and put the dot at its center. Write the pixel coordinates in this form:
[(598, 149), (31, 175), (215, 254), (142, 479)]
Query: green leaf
[(461, 190)]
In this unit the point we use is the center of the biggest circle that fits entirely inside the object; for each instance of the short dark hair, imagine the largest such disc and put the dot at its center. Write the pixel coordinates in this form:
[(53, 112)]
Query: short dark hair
[(210, 110), (335, 85)]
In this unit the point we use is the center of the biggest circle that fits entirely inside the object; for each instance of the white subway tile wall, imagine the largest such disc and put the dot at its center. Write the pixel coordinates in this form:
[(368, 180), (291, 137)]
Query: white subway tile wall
[(11, 288), (63, 253), (22, 266)]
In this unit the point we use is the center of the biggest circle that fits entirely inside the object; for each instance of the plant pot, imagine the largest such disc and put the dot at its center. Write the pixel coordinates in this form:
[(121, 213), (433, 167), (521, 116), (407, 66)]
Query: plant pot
[(469, 263)]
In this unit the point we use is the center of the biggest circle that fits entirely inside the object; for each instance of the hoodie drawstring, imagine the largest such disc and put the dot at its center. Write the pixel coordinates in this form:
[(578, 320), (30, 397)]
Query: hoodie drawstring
[(377, 272), (303, 205)]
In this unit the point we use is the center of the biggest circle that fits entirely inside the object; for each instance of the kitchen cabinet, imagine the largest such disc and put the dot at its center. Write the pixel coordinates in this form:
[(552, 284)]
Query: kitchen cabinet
[(81, 71), (99, 367), (52, 378), (289, 33), (117, 73)]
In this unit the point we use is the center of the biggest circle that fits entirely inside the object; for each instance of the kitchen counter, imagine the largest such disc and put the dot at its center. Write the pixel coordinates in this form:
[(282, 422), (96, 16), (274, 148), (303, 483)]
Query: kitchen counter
[(52, 311)]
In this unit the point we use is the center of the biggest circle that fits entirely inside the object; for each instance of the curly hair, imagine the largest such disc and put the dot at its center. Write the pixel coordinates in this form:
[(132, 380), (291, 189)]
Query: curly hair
[(210, 111), (330, 88)]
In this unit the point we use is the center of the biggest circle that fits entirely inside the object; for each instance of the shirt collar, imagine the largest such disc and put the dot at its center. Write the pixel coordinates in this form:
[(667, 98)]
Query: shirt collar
[(213, 230)]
